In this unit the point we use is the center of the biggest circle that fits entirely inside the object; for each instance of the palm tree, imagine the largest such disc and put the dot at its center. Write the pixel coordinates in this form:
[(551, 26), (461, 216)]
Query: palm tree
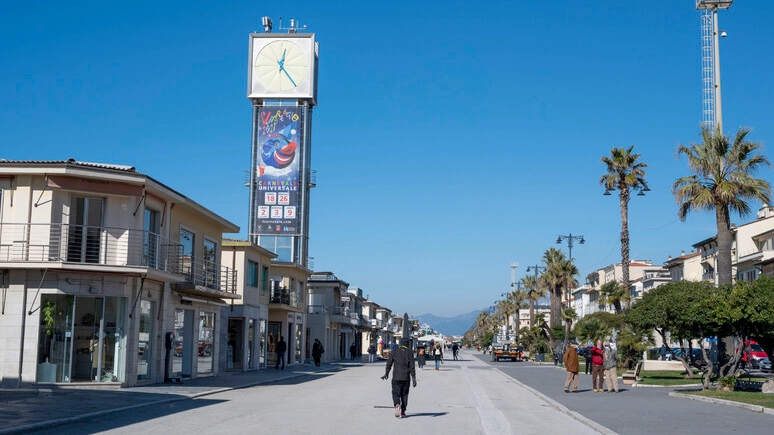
[(723, 181), (559, 277), (624, 172), (613, 293), (569, 315), (534, 293)]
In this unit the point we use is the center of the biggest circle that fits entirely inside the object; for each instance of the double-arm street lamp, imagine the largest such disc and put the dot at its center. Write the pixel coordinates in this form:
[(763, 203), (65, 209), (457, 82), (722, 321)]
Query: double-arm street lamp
[(570, 241)]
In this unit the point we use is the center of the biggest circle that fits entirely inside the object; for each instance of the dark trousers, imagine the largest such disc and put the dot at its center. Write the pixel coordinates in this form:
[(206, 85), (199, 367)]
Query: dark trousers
[(400, 392), (316, 360), (588, 365), (280, 359)]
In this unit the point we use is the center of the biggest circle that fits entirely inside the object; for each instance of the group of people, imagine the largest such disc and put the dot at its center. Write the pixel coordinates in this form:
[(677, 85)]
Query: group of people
[(604, 362), (435, 352)]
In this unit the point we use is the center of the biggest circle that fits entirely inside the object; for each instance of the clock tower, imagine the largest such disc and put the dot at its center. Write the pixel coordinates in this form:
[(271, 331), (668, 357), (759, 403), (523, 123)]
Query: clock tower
[(282, 87)]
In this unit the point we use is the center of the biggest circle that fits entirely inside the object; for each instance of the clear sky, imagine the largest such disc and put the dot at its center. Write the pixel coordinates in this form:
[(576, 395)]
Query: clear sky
[(451, 137)]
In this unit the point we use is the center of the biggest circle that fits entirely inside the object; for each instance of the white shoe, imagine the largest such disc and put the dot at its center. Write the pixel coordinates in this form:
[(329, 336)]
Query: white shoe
[(397, 411)]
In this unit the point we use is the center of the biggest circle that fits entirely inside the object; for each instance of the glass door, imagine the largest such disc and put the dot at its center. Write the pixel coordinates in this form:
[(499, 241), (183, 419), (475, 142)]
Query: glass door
[(145, 348), (85, 229)]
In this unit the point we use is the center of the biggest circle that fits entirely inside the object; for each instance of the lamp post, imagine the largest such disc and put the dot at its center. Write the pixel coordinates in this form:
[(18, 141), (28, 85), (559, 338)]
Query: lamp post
[(570, 240), (537, 269)]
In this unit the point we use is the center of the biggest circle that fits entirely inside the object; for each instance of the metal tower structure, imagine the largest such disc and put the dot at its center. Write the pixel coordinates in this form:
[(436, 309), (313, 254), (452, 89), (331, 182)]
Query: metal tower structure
[(712, 109)]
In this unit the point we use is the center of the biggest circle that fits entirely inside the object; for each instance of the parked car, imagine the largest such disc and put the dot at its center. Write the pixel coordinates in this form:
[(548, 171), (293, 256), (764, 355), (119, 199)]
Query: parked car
[(765, 365)]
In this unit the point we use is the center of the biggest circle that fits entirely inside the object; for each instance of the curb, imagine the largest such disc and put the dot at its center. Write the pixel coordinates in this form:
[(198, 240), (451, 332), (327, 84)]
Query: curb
[(175, 398), (559, 407), (747, 406)]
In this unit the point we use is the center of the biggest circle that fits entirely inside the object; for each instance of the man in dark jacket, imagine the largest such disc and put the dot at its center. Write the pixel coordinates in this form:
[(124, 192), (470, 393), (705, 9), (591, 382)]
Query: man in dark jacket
[(281, 348), (403, 359)]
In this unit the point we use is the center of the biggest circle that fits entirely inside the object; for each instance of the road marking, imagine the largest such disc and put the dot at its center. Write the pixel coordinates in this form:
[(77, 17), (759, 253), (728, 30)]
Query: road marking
[(492, 420)]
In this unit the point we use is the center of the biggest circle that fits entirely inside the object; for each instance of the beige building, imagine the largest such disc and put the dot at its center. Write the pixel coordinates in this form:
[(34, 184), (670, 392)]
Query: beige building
[(107, 276), (244, 324)]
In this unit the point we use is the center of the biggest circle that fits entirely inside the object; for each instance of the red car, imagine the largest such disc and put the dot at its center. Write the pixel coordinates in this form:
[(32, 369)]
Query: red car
[(756, 351)]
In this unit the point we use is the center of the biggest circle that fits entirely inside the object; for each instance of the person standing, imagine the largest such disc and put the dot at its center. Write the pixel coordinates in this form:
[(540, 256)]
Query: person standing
[(597, 371), (281, 348), (371, 353), (587, 357), (352, 349), (403, 360), (610, 365), (317, 351), (438, 356), (421, 357), (662, 353), (572, 366), (557, 354), (455, 350)]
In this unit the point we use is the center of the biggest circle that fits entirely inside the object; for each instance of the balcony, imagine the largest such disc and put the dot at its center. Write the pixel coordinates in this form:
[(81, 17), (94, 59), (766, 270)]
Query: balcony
[(110, 248), (284, 296)]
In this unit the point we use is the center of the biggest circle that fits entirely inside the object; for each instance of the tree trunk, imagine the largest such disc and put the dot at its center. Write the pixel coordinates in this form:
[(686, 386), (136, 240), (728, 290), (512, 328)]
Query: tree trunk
[(725, 241), (624, 200), (556, 306), (531, 312)]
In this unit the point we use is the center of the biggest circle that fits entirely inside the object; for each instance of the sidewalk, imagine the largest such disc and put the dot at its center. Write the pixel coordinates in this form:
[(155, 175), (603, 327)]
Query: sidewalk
[(28, 409)]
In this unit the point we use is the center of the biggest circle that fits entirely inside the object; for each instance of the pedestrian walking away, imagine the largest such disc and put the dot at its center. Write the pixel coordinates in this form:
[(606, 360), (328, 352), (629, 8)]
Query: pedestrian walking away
[(610, 364), (455, 350), (372, 353), (587, 357), (317, 351), (352, 349), (403, 377), (438, 356), (421, 357), (281, 348), (573, 367), (597, 372)]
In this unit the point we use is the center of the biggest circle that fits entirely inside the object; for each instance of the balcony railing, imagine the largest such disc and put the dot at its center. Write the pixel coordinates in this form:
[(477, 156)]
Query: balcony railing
[(283, 296), (108, 246)]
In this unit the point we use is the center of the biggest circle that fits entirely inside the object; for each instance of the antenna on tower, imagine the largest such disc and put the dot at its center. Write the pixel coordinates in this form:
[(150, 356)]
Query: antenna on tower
[(266, 22), (712, 112)]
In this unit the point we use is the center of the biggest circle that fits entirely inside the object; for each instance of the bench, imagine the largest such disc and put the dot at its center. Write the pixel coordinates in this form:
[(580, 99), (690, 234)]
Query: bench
[(748, 386), (653, 365)]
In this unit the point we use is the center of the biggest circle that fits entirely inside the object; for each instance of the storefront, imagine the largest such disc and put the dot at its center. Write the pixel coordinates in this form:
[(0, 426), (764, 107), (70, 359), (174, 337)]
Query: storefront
[(81, 339)]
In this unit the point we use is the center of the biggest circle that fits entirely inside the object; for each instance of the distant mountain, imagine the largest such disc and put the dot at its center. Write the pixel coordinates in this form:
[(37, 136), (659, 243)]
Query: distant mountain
[(457, 325)]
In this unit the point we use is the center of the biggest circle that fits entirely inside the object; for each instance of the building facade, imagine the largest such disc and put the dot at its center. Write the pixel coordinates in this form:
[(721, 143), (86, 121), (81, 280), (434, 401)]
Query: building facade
[(108, 276)]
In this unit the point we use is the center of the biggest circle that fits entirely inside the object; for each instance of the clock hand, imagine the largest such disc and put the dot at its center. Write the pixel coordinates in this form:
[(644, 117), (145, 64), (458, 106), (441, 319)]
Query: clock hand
[(282, 68)]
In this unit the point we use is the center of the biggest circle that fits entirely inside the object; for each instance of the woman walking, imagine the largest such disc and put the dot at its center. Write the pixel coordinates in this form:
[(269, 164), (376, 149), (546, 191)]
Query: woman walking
[(438, 356), (421, 357)]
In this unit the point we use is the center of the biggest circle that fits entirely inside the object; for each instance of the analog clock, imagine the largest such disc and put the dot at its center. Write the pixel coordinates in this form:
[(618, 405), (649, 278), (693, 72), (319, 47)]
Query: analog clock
[(281, 66)]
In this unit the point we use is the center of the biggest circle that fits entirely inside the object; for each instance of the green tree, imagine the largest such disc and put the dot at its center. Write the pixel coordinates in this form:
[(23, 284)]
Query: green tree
[(559, 277), (624, 172), (569, 315), (613, 293), (535, 291), (596, 326), (722, 181)]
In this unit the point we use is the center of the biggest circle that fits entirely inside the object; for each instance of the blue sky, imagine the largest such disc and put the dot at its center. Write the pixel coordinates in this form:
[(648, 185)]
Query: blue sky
[(451, 138)]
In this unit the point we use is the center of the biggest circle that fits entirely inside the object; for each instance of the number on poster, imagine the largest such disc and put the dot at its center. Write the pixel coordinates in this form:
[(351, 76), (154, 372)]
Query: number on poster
[(270, 198)]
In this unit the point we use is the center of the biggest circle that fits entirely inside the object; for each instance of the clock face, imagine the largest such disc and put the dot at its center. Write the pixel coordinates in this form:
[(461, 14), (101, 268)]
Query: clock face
[(281, 66)]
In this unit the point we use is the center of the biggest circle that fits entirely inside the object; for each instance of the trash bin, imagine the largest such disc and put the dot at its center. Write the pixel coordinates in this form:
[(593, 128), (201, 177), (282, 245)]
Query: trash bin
[(540, 357)]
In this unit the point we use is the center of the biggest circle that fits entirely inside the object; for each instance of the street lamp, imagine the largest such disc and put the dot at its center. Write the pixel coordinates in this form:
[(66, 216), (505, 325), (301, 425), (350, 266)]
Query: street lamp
[(537, 270), (570, 239)]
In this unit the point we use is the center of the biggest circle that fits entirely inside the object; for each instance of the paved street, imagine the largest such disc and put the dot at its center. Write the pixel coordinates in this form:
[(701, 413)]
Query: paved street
[(470, 396), (640, 410)]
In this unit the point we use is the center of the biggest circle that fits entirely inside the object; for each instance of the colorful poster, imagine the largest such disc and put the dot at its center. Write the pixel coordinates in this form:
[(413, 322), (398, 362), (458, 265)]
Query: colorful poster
[(278, 171)]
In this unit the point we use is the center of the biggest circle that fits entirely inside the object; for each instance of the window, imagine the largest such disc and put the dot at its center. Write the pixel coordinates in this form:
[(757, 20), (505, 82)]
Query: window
[(151, 238), (84, 230), (210, 264), (265, 278), (187, 240), (252, 273), (280, 245)]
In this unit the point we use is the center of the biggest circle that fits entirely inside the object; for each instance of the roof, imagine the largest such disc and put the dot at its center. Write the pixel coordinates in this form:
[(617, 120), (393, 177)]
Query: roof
[(69, 161)]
